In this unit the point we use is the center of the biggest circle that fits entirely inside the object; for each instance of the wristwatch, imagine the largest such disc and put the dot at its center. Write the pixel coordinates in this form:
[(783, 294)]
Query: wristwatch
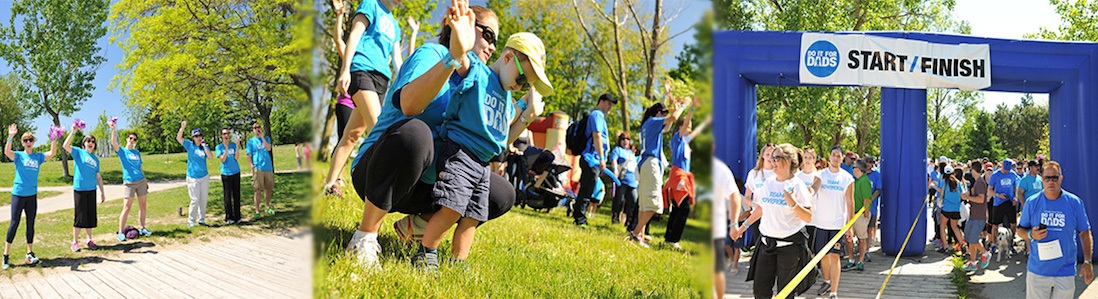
[(1086, 262)]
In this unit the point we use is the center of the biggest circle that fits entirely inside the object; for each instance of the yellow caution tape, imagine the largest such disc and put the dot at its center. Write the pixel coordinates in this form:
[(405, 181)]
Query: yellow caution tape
[(921, 213)]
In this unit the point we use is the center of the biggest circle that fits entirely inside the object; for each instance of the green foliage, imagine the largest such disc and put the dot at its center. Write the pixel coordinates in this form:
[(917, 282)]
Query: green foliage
[(946, 109), (1021, 127), (291, 125), (1077, 19), (981, 138), (13, 109)]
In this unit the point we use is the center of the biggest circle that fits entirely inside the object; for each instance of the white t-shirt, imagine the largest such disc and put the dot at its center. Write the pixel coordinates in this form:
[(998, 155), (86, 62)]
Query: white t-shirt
[(807, 178), (778, 219), (829, 207), (724, 184), (755, 182)]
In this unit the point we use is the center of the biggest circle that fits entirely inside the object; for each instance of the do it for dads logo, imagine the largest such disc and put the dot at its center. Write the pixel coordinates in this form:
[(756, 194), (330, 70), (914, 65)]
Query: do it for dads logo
[(821, 58)]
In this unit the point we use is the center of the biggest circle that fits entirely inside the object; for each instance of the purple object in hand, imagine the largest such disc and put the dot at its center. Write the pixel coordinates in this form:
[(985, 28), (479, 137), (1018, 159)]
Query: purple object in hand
[(113, 120), (56, 132), (79, 124)]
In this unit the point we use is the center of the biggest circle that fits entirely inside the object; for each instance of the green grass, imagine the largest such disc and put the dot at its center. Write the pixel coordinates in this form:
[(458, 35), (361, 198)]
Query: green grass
[(5, 197), (157, 167), (519, 255), (53, 231), (959, 277)]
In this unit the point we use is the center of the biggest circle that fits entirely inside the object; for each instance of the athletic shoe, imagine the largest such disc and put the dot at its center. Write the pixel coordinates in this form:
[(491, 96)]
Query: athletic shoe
[(75, 247), (849, 266), (7, 264), (860, 267), (640, 240), (190, 224), (410, 228), (675, 245), (824, 288), (203, 223), (994, 249), (985, 259), (333, 191), (257, 216), (366, 249), (31, 259), (121, 237), (867, 259), (270, 211), (145, 232), (833, 296), (230, 222), (92, 246), (969, 267), (458, 264), (426, 260)]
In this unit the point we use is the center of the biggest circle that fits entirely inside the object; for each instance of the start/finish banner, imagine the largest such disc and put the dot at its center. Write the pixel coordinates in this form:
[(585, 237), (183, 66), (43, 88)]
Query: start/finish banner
[(856, 59)]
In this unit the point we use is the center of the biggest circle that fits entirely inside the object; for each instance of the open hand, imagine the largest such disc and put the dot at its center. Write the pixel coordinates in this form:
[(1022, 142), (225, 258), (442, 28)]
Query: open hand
[(462, 22), (183, 124), (413, 24), (12, 129)]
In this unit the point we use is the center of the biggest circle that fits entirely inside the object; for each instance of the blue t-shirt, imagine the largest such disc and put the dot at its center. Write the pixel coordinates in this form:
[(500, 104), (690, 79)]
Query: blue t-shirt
[(1065, 218), (951, 197), (651, 138), (479, 114), (375, 48), (1031, 185), (85, 166), (849, 168), (875, 181), (627, 161), (230, 166), (131, 164), (261, 158), (196, 160), (936, 177), (26, 173), (1004, 183), (680, 151), (596, 123)]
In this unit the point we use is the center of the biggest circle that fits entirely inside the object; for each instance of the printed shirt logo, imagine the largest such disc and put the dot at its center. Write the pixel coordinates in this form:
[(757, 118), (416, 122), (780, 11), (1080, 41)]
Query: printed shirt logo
[(1005, 182), (496, 116), (822, 58), (90, 162), (133, 157), (832, 185), (1055, 220), (200, 153), (386, 28), (30, 163), (1037, 185)]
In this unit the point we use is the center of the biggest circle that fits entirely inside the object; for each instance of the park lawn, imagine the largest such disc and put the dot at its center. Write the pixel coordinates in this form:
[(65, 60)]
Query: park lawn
[(157, 167), (5, 197), (519, 255), (53, 231)]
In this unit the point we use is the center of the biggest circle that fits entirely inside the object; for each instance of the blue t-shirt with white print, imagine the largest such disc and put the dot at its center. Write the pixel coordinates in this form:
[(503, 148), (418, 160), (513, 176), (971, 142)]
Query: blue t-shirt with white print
[(230, 166), (1004, 183), (131, 164), (27, 167), (479, 114), (375, 48), (680, 147), (1031, 185), (651, 138), (196, 160), (85, 166), (627, 161), (596, 123), (261, 158), (1065, 218)]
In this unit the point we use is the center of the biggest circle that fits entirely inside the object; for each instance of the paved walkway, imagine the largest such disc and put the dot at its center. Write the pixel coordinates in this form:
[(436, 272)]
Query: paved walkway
[(258, 266), (114, 192), (1007, 279)]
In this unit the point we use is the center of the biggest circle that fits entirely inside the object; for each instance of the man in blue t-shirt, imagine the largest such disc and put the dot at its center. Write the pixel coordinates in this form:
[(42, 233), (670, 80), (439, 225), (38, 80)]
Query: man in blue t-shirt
[(1030, 184), (875, 206), (1003, 184), (258, 150), (594, 159), (1049, 223)]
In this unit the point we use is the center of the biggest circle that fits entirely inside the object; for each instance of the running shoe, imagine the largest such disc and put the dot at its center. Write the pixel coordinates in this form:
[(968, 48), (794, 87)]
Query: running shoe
[(969, 267), (410, 228), (833, 296), (426, 260), (849, 266), (824, 288), (994, 249), (31, 259), (190, 224), (7, 264), (257, 215), (333, 190), (458, 264), (121, 236), (92, 246), (203, 223), (145, 232), (230, 221), (366, 249), (75, 247), (985, 259), (860, 267), (867, 259), (270, 211), (675, 246)]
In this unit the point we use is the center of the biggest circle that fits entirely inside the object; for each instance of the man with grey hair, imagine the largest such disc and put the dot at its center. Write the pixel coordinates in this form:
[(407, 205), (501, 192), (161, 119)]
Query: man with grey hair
[(863, 195)]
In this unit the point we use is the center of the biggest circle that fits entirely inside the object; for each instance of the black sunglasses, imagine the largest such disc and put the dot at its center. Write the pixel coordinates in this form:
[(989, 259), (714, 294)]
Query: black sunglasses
[(131, 138), (28, 140), (488, 34), (1052, 177)]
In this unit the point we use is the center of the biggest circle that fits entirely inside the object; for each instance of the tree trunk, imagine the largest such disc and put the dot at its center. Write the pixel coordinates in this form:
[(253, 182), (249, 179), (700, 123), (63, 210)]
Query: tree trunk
[(64, 156), (322, 151), (653, 50), (623, 87)]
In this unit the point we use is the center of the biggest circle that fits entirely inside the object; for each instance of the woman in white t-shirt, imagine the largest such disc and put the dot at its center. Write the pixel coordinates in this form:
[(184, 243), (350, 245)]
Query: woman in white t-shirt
[(783, 208), (831, 209), (808, 173), (764, 169)]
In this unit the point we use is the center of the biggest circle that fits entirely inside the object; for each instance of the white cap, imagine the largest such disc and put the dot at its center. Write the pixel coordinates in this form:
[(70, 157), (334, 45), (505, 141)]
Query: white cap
[(949, 169), (943, 159)]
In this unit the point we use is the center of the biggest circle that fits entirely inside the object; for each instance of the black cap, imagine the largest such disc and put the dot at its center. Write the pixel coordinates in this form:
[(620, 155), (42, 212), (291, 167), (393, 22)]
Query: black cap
[(608, 97), (870, 159), (1033, 163)]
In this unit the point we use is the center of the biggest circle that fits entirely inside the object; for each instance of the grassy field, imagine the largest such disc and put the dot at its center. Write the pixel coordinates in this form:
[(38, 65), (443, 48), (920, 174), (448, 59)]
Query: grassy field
[(5, 197), (53, 231), (157, 167), (522, 254)]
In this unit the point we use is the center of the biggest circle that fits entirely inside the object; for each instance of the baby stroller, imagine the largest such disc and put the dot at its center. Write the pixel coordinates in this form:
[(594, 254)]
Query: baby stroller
[(527, 168)]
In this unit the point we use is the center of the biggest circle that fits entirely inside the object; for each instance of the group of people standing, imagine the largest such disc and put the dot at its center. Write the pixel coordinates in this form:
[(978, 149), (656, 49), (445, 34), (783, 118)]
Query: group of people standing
[(87, 179)]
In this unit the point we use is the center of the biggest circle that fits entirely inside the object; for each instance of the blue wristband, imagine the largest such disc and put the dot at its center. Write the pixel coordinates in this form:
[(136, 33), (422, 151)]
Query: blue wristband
[(450, 62)]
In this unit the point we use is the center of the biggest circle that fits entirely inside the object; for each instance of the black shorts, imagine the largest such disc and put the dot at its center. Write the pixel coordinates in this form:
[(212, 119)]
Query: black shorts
[(952, 215), (343, 115), (368, 80), (718, 257), (389, 170), (822, 236), (1003, 214), (84, 211)]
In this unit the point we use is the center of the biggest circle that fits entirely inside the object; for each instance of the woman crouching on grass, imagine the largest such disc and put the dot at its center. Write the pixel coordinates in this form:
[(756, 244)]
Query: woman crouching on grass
[(84, 182), (24, 189), (134, 180)]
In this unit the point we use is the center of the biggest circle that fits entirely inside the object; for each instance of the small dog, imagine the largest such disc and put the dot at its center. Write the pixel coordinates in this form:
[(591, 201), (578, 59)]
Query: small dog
[(1005, 242)]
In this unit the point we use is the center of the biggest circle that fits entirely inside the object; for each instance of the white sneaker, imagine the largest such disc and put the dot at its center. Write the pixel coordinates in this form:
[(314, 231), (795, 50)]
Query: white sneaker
[(365, 248), (675, 245)]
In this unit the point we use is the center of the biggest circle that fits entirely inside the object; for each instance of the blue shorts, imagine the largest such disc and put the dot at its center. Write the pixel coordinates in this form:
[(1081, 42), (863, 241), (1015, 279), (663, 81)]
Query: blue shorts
[(823, 236), (462, 183)]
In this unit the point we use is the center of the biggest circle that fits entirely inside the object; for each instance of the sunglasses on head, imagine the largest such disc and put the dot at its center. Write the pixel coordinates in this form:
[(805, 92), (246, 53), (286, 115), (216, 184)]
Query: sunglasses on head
[(487, 33)]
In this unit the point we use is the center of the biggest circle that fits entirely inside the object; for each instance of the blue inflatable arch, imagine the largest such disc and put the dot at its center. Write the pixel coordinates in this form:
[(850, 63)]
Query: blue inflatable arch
[(1067, 71)]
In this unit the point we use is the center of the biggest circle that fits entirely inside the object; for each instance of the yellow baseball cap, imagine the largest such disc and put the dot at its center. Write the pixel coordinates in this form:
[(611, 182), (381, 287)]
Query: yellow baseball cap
[(529, 44)]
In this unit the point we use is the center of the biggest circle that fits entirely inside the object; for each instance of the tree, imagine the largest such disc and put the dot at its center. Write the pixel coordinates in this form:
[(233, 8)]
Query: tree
[(1077, 19), (617, 60), (946, 110), (981, 139), (54, 51)]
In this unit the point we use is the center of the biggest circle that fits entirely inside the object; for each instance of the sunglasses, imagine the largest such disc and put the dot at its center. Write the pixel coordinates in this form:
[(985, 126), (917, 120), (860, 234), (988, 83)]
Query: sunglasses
[(1051, 178), (487, 33), (225, 133), (28, 140), (776, 158), (521, 79), (131, 138), (256, 128), (90, 141), (199, 135)]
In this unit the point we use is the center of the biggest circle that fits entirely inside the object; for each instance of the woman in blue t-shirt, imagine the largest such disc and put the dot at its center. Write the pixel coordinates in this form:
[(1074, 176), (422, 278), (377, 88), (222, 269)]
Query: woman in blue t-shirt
[(951, 206), (624, 162), (24, 189), (650, 175), (85, 179), (133, 177), (230, 175), (680, 182), (198, 179)]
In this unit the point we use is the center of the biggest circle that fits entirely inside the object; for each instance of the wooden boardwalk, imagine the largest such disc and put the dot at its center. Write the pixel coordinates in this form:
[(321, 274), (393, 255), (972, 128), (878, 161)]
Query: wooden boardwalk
[(914, 277), (259, 266)]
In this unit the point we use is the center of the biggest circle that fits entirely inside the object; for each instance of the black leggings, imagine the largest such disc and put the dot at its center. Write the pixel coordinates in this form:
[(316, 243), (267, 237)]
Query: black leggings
[(343, 115), (18, 205), (628, 201), (677, 223), (230, 192)]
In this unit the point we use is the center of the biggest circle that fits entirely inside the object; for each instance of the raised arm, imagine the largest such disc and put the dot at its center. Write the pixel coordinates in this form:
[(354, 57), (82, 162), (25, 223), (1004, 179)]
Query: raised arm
[(534, 107), (67, 145), (53, 150), (179, 135), (414, 25), (686, 127), (12, 129), (337, 35), (114, 137), (417, 94)]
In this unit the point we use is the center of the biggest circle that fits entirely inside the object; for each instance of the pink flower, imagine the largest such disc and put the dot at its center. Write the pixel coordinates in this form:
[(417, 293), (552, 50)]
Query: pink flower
[(56, 132), (79, 124), (113, 120)]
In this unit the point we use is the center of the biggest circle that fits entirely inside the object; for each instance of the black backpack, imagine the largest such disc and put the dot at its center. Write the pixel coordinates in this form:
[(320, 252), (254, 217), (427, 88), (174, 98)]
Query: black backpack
[(575, 139)]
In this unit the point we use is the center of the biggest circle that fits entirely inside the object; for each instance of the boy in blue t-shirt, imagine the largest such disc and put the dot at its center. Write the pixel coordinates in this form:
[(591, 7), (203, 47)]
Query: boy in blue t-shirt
[(1053, 223), (594, 160), (476, 128)]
